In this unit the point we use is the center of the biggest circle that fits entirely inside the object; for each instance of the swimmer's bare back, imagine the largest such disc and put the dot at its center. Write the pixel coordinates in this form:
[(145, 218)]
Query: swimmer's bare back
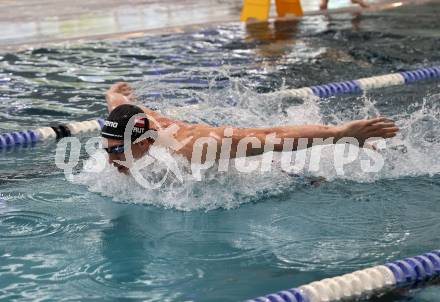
[(122, 93)]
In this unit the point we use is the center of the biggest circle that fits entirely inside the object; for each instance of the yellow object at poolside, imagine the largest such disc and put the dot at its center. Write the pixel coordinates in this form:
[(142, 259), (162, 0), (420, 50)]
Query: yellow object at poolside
[(285, 7), (259, 9)]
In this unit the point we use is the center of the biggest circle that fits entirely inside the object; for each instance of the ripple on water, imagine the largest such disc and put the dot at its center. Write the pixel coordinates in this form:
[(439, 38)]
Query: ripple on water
[(214, 245), (52, 197), (140, 273), (28, 224), (308, 244), (330, 254)]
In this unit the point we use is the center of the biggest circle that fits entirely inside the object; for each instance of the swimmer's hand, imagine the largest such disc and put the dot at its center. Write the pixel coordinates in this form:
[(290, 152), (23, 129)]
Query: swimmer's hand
[(365, 129)]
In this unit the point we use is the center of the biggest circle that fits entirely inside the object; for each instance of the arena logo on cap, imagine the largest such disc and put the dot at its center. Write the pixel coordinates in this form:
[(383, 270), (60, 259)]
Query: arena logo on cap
[(111, 124)]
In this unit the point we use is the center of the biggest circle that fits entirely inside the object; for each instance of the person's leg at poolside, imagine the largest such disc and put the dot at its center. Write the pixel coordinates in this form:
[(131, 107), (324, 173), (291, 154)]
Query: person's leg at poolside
[(361, 3), (324, 4)]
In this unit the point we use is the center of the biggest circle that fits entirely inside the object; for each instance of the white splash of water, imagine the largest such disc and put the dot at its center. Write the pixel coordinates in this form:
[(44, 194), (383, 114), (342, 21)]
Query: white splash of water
[(413, 152), (214, 190)]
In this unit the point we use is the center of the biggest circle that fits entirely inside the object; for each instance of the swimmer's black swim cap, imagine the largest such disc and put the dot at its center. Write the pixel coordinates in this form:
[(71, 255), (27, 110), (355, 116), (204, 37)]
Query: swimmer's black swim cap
[(114, 126)]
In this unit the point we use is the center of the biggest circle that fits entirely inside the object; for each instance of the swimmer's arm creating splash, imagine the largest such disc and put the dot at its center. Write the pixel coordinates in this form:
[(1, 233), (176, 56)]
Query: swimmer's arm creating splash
[(239, 142), (256, 141)]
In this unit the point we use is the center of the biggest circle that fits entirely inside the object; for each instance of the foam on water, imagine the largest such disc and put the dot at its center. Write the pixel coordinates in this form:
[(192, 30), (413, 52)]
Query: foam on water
[(60, 239), (413, 152), (216, 189)]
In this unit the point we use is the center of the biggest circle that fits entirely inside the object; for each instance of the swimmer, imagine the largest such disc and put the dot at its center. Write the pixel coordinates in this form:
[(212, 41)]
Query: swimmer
[(121, 107), (324, 3)]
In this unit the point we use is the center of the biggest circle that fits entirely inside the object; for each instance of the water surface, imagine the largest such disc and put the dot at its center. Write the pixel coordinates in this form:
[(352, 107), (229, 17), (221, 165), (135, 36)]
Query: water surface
[(230, 236)]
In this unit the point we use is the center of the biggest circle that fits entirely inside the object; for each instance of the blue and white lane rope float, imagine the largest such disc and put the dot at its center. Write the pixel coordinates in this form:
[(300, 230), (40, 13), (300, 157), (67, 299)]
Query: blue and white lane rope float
[(30, 137), (363, 283), (364, 84), (323, 91)]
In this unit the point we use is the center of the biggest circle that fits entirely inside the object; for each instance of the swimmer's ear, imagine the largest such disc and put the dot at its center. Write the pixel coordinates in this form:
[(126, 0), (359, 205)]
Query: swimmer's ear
[(145, 142)]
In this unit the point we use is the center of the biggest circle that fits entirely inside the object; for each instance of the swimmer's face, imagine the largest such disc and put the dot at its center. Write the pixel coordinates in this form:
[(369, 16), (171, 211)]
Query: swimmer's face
[(115, 151)]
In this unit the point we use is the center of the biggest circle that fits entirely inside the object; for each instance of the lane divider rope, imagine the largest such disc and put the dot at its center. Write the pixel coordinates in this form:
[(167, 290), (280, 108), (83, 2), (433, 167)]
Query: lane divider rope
[(8, 140), (364, 84), (363, 283), (31, 137)]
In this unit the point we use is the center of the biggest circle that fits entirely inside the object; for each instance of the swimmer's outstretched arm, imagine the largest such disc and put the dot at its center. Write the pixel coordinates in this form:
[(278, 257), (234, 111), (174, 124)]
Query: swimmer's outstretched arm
[(122, 93), (361, 130)]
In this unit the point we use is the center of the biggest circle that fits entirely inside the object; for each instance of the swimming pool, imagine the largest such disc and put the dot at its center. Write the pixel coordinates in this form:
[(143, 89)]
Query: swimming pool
[(229, 237)]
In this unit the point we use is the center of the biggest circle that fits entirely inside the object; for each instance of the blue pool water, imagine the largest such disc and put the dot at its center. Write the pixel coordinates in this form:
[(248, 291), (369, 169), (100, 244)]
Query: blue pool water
[(230, 236)]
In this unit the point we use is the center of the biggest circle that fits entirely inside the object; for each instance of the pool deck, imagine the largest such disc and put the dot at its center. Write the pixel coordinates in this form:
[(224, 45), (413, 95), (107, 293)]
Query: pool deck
[(33, 23)]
